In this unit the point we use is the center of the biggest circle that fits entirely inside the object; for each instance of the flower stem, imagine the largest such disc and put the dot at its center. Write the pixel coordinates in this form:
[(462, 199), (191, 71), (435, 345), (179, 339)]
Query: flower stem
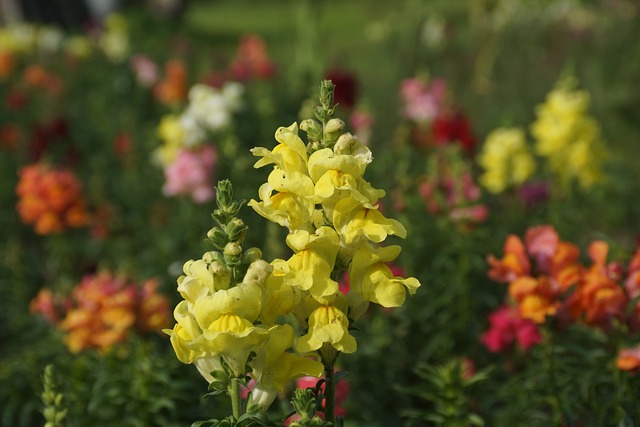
[(559, 415), (330, 394), (236, 399)]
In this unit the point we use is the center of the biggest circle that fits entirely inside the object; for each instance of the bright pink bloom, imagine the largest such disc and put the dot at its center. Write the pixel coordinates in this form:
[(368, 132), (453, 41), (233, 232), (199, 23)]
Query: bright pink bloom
[(475, 213), (541, 242), (45, 305), (244, 391), (362, 123), (147, 72), (506, 327), (422, 103), (191, 173)]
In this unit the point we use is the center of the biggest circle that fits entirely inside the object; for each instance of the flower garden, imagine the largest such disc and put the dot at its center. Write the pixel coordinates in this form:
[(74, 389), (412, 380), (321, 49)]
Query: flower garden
[(362, 213)]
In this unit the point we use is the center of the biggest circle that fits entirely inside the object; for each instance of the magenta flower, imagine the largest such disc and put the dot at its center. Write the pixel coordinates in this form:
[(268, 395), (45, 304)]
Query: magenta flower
[(191, 173), (506, 327)]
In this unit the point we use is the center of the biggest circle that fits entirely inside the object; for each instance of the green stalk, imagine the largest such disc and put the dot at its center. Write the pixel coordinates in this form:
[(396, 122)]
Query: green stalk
[(330, 394), (329, 355), (559, 415), (236, 399)]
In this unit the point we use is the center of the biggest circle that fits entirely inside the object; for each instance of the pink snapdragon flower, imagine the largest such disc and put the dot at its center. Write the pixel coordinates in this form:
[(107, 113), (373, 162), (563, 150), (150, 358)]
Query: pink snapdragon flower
[(146, 71), (506, 327), (422, 102), (191, 173)]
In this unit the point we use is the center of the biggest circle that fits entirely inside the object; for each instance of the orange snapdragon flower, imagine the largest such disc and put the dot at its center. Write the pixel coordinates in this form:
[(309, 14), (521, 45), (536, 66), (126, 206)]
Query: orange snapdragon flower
[(535, 297), (7, 64), (172, 89), (51, 199), (513, 265), (599, 298), (629, 360), (539, 271), (103, 309), (37, 77)]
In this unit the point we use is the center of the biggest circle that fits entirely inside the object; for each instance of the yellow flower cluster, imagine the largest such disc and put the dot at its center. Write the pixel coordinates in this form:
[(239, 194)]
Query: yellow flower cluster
[(568, 137), (232, 321), (228, 315), (505, 159), (334, 226)]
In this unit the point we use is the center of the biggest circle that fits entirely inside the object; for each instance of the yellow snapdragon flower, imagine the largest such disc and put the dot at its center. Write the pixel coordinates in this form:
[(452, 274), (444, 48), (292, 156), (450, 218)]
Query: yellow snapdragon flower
[(171, 133), (505, 159), (568, 137), (274, 367), (373, 280), (327, 324)]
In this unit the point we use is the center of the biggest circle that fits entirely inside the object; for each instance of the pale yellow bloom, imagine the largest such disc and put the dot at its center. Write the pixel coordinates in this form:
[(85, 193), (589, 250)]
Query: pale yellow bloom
[(327, 324), (274, 367), (370, 277), (568, 137), (505, 159), (311, 266)]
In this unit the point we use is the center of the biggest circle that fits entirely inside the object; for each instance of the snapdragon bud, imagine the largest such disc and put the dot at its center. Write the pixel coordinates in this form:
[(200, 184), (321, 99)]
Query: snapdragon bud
[(212, 256), (224, 193), (251, 255), (221, 275), (236, 230), (346, 144), (312, 128), (218, 237), (232, 249), (258, 272), (333, 125)]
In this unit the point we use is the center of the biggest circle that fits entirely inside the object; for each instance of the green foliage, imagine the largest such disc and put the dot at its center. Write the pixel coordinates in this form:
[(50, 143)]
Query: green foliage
[(499, 59)]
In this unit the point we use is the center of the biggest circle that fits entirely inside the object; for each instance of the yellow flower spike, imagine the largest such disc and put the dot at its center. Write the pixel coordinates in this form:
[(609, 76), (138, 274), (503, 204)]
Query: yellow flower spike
[(370, 277), (243, 300), (354, 221), (327, 324), (313, 262), (505, 159), (568, 137)]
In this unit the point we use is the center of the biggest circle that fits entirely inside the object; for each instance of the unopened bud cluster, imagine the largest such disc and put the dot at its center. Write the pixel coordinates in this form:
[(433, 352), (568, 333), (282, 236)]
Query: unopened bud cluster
[(54, 412)]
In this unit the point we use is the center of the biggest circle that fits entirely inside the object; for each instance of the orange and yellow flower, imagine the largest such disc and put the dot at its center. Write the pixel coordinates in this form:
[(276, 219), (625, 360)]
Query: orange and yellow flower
[(103, 309), (50, 199)]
